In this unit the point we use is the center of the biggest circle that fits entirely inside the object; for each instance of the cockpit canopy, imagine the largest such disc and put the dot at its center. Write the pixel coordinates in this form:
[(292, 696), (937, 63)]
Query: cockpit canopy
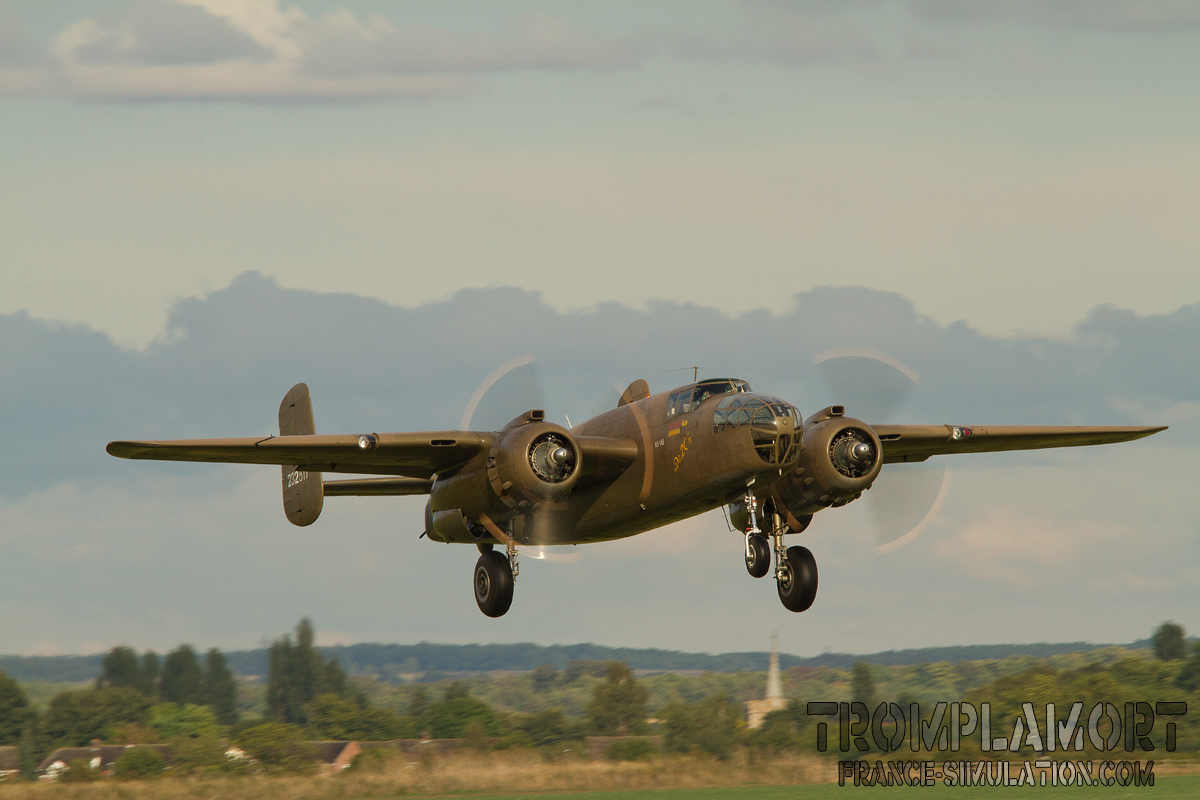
[(689, 398), (761, 412)]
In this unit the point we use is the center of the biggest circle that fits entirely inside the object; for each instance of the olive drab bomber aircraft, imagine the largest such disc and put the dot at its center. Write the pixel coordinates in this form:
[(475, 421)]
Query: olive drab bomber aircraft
[(651, 461)]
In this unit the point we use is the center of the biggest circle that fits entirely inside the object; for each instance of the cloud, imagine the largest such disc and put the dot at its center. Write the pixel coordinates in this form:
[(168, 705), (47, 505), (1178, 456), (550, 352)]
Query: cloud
[(338, 45), (154, 33), (228, 358), (1120, 16), (781, 34), (98, 549), (264, 51)]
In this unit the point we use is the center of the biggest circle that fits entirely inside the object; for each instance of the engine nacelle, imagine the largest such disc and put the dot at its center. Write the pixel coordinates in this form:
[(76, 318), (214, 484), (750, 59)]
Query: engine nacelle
[(532, 464), (840, 459)]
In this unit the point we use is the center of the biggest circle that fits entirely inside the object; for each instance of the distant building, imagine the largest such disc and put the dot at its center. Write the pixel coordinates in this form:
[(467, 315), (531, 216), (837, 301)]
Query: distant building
[(98, 758), (336, 756), (756, 710), (10, 762)]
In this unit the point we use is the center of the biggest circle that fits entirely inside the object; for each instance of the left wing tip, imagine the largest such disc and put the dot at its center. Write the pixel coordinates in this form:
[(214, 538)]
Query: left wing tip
[(123, 449)]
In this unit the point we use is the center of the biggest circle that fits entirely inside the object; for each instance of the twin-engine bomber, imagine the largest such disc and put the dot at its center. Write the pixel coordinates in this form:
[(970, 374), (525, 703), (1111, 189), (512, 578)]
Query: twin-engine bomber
[(652, 460)]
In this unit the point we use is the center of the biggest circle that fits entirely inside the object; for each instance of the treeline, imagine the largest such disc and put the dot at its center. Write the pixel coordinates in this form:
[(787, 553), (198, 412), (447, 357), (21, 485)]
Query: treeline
[(431, 662), (192, 706), (178, 679), (309, 697)]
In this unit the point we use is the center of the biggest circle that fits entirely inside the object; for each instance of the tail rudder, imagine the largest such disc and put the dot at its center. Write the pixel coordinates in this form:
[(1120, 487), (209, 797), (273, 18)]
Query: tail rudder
[(303, 494)]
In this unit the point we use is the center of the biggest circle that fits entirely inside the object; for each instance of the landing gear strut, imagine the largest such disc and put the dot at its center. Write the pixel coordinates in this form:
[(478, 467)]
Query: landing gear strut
[(758, 553), (795, 567)]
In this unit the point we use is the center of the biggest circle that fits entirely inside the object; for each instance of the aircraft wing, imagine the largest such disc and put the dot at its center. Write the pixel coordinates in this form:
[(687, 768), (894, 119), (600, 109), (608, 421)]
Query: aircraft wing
[(918, 442), (414, 455)]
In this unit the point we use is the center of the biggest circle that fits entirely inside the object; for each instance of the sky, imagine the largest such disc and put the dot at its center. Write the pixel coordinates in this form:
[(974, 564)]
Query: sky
[(203, 202)]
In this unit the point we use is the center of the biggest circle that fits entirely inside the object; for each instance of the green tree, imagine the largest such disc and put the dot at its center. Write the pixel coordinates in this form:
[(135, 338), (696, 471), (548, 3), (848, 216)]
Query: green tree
[(79, 771), (139, 762), (192, 732), (173, 721), (181, 677), (418, 703), (546, 727), (14, 710), (544, 677), (219, 689), (776, 732), (449, 716), (618, 705), (863, 684), (1189, 673), (1168, 642), (151, 673), (120, 668), (337, 718), (710, 725), (297, 674), (75, 718), (277, 744), (28, 753), (630, 750)]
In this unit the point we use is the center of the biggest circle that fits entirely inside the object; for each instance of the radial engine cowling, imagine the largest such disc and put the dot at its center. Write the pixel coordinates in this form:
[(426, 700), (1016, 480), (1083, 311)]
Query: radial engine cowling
[(532, 465), (840, 460)]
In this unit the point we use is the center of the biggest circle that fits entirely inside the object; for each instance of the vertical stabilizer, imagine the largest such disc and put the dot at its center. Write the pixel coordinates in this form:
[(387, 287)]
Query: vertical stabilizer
[(303, 494)]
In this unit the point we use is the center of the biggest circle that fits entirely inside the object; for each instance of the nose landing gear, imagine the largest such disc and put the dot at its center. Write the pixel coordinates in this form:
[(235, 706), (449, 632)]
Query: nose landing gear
[(758, 555)]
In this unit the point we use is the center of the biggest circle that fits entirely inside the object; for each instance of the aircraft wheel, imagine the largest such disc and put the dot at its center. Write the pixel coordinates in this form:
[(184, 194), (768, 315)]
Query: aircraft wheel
[(484, 547), (493, 584), (798, 582), (758, 558)]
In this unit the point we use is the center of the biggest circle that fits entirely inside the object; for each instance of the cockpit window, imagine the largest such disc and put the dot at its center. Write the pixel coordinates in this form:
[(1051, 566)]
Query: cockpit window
[(686, 400)]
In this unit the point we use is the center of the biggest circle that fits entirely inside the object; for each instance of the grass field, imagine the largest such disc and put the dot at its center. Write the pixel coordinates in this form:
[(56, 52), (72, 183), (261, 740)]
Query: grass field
[(514, 776), (1167, 788)]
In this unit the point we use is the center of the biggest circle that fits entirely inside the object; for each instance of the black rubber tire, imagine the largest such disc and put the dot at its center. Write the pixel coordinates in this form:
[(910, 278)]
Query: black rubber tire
[(798, 589), (759, 563), (493, 584), (484, 547)]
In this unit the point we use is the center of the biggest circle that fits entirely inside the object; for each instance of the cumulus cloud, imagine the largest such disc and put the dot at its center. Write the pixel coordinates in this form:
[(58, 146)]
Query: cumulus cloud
[(230, 356), (154, 33), (80, 525), (264, 50)]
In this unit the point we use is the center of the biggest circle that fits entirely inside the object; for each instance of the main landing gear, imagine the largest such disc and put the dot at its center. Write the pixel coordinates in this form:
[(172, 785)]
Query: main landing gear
[(795, 567), (495, 575)]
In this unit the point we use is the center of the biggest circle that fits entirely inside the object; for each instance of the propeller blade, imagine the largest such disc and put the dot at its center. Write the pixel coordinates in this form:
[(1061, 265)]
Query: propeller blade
[(870, 384), (541, 553), (512, 389), (905, 498), (903, 501)]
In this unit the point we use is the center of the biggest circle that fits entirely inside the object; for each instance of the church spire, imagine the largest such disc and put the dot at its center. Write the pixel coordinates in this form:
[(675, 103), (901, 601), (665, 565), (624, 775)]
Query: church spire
[(774, 686)]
